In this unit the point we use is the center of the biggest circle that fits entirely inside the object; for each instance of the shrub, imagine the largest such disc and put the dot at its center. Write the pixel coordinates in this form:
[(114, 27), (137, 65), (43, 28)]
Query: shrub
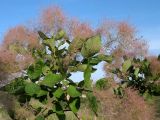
[(137, 73), (131, 107), (47, 86), (102, 84)]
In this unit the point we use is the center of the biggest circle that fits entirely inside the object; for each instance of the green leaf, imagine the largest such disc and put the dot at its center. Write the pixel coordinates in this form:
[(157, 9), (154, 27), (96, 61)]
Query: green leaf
[(34, 72), (136, 72), (92, 102), (81, 83), (101, 84), (156, 89), (81, 67), (72, 69), (146, 63), (16, 86), (42, 35), (101, 57), (73, 92), (126, 65), (58, 93), (106, 58), (41, 93), (32, 89), (147, 96), (76, 44), (50, 43), (18, 90), (51, 79), (87, 76), (94, 61), (60, 35), (91, 46), (75, 105), (46, 70), (40, 117), (59, 111)]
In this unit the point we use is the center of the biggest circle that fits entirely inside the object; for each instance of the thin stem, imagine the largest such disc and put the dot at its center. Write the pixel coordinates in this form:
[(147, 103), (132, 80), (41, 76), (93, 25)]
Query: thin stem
[(87, 90)]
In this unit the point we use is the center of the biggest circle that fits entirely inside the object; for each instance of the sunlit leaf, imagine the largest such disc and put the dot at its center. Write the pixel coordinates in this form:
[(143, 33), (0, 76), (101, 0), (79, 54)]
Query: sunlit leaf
[(91, 46), (75, 105), (32, 89), (51, 79), (126, 65), (73, 92)]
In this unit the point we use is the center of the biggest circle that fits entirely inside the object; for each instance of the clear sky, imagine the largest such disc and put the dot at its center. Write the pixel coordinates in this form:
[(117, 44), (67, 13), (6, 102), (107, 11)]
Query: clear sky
[(143, 14)]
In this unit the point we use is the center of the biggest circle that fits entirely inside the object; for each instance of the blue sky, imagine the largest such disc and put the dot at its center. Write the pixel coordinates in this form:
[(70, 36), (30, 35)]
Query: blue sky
[(143, 14)]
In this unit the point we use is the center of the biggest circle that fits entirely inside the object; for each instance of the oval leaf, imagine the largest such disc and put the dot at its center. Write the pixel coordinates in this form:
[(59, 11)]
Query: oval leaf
[(41, 93), (34, 71), (60, 35), (87, 76), (106, 58), (58, 93), (45, 70), (40, 118), (75, 105), (73, 92), (32, 89), (126, 65), (91, 46), (59, 111), (136, 72), (51, 79)]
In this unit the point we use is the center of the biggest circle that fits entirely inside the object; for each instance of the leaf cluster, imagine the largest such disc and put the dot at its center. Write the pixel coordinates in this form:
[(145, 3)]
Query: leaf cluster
[(47, 86)]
